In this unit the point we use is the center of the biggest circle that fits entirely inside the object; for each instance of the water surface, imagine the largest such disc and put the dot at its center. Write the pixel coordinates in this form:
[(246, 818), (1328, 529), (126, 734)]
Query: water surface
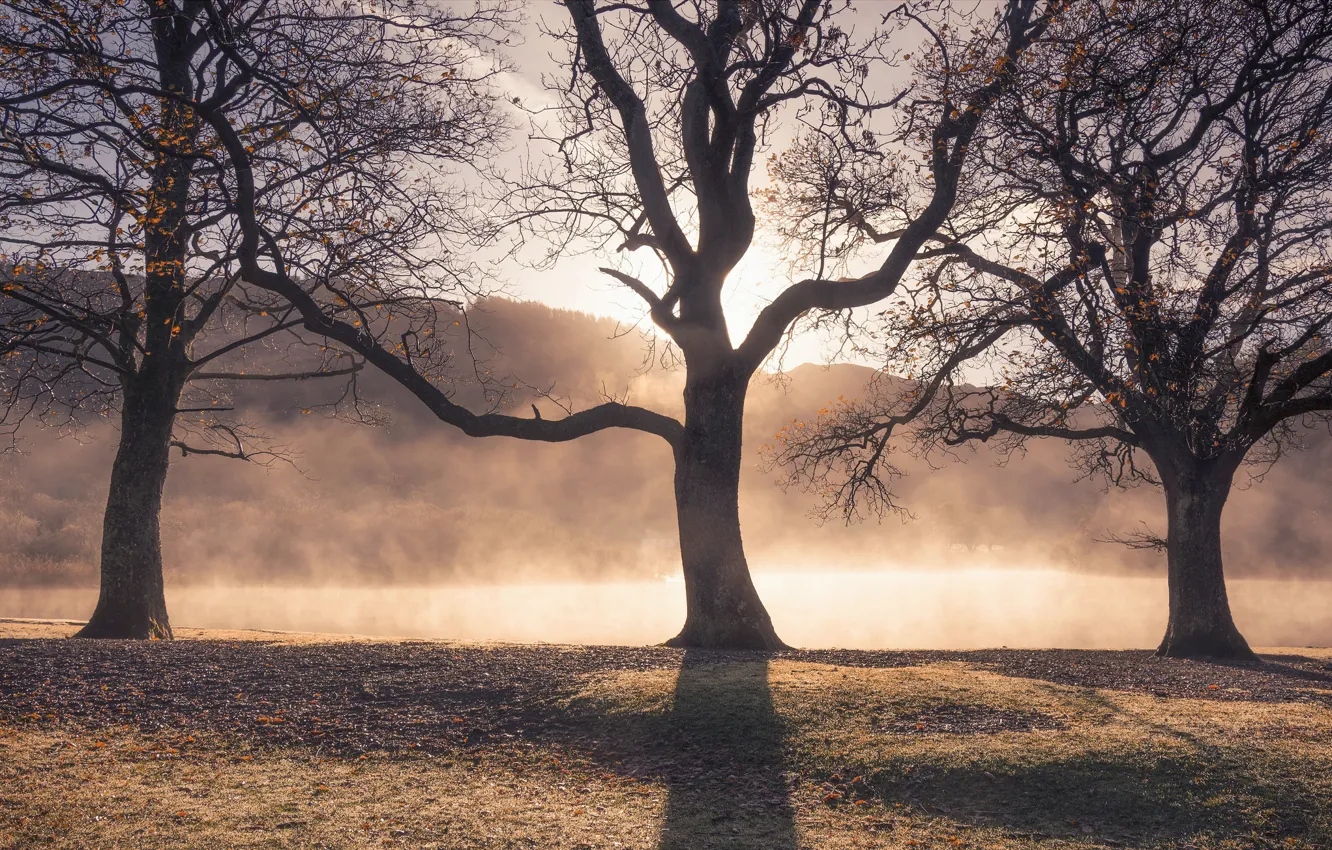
[(890, 609)]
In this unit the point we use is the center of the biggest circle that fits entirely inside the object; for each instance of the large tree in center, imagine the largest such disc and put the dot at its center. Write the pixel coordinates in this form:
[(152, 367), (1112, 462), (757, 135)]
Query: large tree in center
[(661, 112), (1162, 284)]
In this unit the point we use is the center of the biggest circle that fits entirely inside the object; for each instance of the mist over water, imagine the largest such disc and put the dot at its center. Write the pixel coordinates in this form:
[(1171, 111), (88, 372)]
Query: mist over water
[(412, 530), (417, 503), (891, 609)]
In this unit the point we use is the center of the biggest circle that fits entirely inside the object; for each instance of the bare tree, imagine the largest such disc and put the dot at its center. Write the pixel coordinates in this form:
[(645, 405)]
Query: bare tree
[(122, 289), (1162, 284), (657, 127)]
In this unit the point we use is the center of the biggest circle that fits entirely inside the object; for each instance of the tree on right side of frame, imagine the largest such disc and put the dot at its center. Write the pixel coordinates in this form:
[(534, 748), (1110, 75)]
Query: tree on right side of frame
[(1162, 287)]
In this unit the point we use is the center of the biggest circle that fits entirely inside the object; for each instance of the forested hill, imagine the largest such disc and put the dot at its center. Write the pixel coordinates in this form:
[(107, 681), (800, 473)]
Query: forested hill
[(413, 501)]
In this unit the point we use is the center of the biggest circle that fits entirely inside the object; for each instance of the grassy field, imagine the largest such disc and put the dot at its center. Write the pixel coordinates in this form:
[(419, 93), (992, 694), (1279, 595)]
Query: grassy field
[(731, 752)]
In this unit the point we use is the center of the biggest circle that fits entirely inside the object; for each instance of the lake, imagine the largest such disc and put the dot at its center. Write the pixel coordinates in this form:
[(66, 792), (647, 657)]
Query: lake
[(887, 609)]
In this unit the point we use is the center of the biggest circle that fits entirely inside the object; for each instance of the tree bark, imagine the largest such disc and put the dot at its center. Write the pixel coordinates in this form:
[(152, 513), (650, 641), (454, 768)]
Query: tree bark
[(131, 603), (723, 610), (1200, 621)]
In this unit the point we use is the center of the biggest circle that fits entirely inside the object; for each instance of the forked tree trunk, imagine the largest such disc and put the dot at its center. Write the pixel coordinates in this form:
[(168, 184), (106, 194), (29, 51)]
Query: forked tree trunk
[(132, 603), (1200, 621), (723, 608)]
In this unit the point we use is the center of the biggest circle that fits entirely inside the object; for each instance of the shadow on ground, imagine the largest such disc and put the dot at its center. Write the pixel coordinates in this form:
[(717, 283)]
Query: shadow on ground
[(1164, 802), (735, 770), (734, 794), (714, 739), (1131, 777)]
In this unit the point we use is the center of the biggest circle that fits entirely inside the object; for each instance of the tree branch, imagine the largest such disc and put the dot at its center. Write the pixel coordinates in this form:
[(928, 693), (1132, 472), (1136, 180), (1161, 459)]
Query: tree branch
[(288, 376)]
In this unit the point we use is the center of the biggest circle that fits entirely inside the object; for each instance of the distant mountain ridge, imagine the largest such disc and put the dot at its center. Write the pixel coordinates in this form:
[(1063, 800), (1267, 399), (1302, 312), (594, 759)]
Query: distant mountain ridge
[(414, 501)]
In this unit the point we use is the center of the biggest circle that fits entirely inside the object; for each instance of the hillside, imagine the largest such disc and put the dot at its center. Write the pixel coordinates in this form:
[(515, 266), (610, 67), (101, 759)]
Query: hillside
[(413, 501)]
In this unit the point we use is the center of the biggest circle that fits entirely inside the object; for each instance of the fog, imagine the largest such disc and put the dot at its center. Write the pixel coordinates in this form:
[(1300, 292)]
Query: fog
[(487, 526), (950, 609)]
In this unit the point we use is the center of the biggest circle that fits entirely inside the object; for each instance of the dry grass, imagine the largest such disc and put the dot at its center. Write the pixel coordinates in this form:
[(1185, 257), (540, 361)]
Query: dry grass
[(121, 789), (740, 755), (1123, 771)]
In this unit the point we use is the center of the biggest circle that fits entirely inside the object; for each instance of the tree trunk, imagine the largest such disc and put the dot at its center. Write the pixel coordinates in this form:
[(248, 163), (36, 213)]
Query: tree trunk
[(1200, 621), (132, 603), (723, 608)]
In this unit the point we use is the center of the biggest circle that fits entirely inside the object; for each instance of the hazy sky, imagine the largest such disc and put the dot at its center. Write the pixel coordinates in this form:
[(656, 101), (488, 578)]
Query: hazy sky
[(575, 283)]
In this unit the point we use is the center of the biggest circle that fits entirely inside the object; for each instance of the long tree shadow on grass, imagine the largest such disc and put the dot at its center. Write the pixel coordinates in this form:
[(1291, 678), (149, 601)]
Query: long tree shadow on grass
[(713, 736), (1140, 794), (1174, 802), (720, 749)]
